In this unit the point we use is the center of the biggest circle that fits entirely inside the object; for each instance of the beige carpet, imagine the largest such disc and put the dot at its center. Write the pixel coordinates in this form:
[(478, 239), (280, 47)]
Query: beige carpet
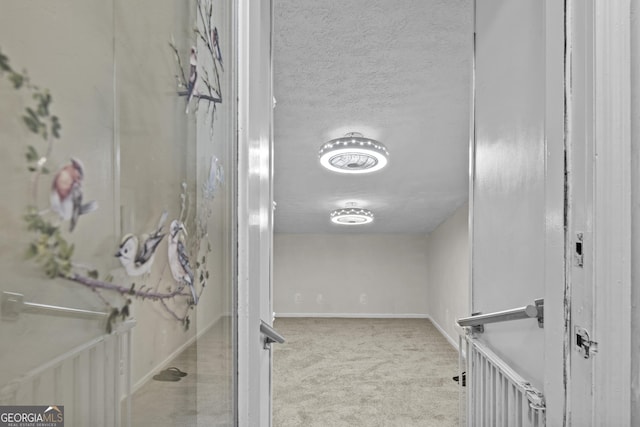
[(363, 372)]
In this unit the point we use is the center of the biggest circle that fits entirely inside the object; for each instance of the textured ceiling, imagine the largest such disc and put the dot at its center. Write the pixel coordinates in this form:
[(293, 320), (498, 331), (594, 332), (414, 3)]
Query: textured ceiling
[(398, 71)]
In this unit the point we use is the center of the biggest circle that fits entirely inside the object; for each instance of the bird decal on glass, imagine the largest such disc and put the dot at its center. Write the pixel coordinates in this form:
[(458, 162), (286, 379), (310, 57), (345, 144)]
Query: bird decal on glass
[(66, 194), (178, 258), (216, 177), (215, 44), (135, 258), (193, 76)]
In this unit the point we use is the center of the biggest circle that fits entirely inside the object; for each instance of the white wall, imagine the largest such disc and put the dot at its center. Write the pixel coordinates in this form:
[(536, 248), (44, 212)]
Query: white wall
[(448, 272), (508, 189), (354, 275)]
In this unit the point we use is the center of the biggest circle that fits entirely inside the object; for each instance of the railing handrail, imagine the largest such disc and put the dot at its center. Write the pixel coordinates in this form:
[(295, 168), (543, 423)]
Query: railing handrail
[(13, 304), (271, 334), (526, 312)]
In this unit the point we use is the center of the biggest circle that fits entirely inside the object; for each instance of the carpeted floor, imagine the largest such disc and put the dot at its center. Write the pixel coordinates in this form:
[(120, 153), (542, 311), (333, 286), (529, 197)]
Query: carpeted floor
[(363, 372)]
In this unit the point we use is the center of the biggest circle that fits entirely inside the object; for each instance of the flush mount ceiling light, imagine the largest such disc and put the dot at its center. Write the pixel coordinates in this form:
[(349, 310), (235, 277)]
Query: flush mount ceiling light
[(351, 216), (353, 153)]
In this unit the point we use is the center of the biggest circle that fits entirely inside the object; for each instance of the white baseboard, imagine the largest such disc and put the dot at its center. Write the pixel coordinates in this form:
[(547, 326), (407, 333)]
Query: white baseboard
[(142, 381), (450, 340), (357, 315)]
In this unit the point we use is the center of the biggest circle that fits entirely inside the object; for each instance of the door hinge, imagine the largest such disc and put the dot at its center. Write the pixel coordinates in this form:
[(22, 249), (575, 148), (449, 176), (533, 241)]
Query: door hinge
[(586, 347)]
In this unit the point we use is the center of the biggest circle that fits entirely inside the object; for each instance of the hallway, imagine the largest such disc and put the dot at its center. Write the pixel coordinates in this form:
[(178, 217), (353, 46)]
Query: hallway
[(141, 231)]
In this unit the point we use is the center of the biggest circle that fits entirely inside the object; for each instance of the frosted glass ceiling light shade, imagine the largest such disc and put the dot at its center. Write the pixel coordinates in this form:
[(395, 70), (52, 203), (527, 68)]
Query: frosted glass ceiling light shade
[(353, 153), (351, 216)]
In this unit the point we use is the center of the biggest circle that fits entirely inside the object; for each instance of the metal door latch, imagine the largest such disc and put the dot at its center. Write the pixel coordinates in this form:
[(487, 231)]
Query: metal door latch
[(579, 253), (586, 347)]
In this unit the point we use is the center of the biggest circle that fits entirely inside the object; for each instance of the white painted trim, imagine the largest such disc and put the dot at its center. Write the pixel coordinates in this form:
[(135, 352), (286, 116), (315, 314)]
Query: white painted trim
[(556, 335), (472, 159), (254, 209), (464, 412), (159, 366), (612, 212), (356, 315), (635, 220), (244, 369)]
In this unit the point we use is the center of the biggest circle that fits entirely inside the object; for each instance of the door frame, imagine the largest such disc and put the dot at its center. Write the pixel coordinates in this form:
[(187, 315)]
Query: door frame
[(610, 395), (612, 212), (556, 317), (601, 59), (254, 213)]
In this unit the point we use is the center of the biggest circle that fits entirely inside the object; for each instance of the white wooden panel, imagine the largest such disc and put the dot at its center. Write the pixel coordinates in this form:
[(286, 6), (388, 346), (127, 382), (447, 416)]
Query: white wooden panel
[(100, 384)]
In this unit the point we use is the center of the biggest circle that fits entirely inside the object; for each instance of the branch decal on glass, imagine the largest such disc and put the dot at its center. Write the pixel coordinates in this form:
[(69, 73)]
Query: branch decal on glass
[(202, 82), (52, 247)]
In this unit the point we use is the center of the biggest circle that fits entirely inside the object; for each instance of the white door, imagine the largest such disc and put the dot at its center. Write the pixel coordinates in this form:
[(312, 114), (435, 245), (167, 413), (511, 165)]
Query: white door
[(255, 214)]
